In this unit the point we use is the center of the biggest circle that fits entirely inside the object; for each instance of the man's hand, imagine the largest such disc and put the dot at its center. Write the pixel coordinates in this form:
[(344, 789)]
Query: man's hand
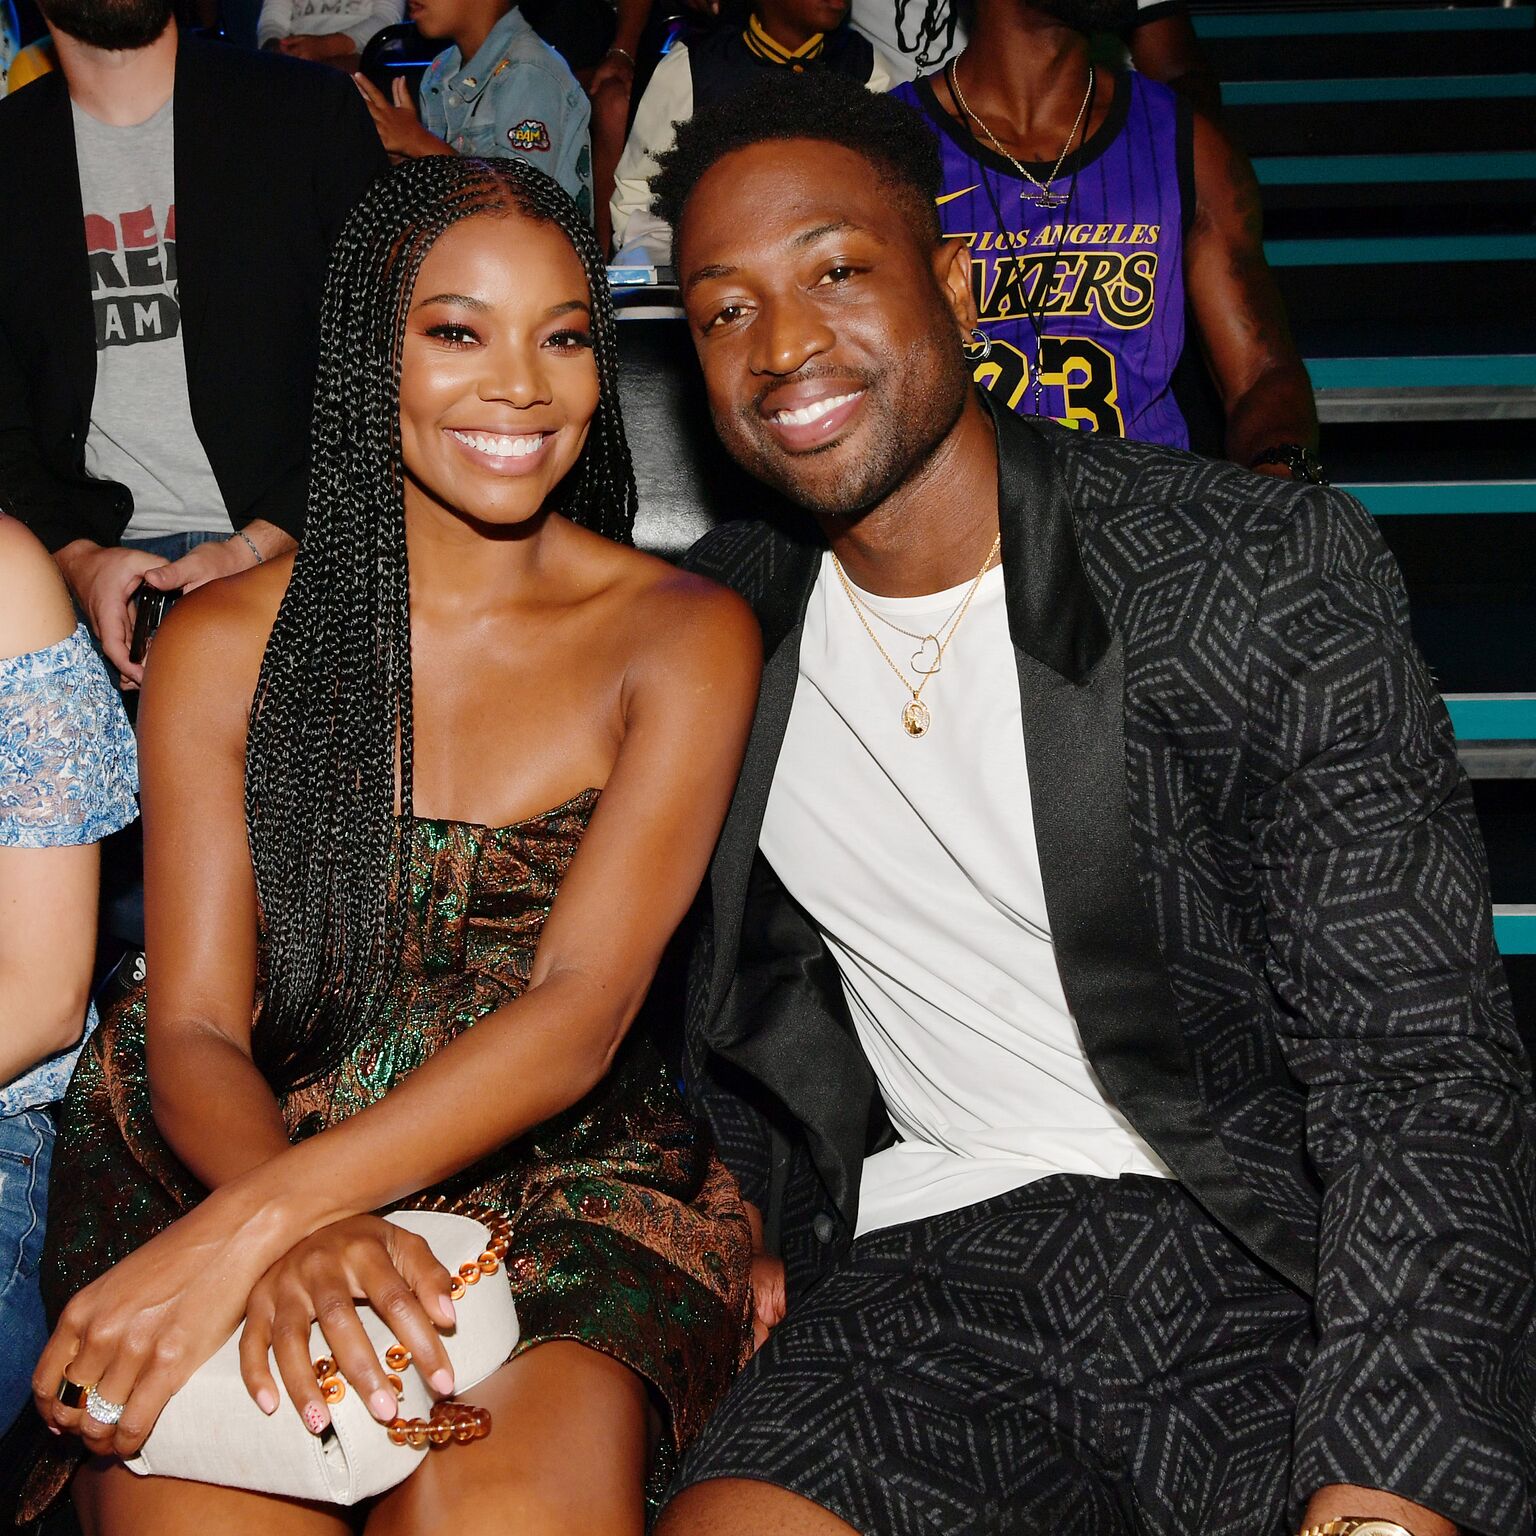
[(1340, 1501), (103, 581), (222, 557), (400, 129), (616, 69), (769, 1299), (323, 49)]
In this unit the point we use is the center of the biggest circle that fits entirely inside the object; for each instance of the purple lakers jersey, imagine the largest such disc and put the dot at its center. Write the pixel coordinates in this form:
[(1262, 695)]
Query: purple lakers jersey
[(1103, 273)]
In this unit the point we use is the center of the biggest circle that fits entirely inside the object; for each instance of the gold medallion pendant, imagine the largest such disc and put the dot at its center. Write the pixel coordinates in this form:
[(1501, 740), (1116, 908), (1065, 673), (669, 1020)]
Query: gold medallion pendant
[(915, 718)]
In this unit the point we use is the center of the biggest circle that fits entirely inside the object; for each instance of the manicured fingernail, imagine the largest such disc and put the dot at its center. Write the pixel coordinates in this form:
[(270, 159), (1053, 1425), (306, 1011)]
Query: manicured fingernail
[(266, 1400), (53, 1429), (441, 1382), (317, 1418), (449, 1313), (383, 1403)]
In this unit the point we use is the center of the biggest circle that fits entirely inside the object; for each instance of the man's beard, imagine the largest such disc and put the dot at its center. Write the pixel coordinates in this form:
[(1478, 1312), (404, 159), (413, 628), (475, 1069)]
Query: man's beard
[(903, 440), (116, 25), (1091, 15)]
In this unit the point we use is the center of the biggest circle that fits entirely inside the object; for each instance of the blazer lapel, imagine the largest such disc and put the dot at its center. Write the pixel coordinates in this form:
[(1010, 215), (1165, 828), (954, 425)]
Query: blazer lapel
[(782, 615), (47, 185), (199, 177), (1072, 687)]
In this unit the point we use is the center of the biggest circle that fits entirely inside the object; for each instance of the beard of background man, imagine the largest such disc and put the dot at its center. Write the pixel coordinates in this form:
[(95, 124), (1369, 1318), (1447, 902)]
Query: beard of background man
[(112, 25)]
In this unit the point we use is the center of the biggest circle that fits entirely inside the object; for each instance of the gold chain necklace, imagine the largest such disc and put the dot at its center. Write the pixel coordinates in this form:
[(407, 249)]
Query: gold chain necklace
[(935, 640), (915, 715), (1044, 198)]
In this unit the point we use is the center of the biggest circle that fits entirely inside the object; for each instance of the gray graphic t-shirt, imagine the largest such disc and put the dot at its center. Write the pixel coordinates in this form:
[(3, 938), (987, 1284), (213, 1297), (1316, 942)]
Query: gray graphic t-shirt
[(141, 431)]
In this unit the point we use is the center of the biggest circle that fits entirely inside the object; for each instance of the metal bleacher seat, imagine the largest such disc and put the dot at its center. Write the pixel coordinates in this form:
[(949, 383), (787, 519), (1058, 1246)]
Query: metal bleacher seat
[(1395, 146)]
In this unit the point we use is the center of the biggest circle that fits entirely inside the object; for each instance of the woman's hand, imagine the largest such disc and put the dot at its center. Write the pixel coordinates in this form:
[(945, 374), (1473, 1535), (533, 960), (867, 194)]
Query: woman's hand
[(769, 1298), (319, 1280), (139, 1331)]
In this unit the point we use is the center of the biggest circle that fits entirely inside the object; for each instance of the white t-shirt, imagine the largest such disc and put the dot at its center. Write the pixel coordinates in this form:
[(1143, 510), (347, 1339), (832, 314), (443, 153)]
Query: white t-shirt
[(141, 431), (917, 860)]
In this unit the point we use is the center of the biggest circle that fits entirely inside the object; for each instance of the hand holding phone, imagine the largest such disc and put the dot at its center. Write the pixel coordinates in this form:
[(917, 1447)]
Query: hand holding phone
[(153, 605)]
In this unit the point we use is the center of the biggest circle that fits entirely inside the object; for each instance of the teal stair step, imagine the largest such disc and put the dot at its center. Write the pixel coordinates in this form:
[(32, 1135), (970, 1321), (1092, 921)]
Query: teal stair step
[(1336, 22), (1347, 170), (1276, 93), (1379, 250), (1493, 716), (1515, 370), (1440, 497), (1514, 929)]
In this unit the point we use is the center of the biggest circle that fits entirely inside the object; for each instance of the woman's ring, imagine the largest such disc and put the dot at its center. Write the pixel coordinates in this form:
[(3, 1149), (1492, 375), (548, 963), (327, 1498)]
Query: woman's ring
[(101, 1410), (71, 1393)]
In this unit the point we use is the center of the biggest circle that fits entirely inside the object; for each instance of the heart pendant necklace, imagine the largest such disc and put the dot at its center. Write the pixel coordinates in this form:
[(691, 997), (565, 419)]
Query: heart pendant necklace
[(916, 717)]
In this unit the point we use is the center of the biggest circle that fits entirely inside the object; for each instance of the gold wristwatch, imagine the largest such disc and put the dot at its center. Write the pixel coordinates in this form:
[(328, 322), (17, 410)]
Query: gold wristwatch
[(1352, 1527)]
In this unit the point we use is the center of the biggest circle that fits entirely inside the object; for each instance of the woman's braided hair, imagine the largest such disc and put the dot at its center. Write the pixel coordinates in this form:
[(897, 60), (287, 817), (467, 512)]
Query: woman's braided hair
[(328, 760)]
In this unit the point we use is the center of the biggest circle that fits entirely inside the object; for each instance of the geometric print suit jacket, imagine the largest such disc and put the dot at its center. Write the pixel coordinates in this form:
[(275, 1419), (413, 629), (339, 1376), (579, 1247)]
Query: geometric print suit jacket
[(1269, 902)]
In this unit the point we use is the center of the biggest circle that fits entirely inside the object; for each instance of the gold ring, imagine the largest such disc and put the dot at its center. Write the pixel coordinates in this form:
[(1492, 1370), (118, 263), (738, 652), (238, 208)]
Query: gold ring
[(72, 1394)]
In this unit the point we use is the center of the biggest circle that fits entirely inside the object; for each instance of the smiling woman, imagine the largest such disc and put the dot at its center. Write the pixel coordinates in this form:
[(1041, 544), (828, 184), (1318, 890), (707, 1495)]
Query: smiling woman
[(459, 769)]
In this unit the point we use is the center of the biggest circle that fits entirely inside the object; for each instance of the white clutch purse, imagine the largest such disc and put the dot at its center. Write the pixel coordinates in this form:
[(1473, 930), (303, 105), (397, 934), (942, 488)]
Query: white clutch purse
[(212, 1432)]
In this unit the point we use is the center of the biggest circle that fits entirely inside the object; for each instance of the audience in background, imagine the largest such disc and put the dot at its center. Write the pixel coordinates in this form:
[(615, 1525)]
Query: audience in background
[(333, 32), (1102, 214), (500, 89), (921, 36), (67, 780), (805, 36), (10, 41), (156, 364)]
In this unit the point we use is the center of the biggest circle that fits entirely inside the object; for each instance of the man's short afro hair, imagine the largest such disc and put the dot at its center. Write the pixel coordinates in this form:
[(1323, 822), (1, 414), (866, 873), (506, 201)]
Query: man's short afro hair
[(782, 105)]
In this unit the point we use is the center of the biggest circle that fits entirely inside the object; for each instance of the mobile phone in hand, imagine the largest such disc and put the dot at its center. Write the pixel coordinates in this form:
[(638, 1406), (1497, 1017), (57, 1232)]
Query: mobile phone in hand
[(153, 605)]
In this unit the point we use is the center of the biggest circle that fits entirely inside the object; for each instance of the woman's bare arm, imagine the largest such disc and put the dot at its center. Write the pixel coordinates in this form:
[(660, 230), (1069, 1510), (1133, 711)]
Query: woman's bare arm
[(47, 895), (211, 1103)]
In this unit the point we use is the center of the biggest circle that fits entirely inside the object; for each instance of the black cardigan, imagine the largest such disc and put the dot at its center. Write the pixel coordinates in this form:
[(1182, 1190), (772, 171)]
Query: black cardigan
[(271, 154)]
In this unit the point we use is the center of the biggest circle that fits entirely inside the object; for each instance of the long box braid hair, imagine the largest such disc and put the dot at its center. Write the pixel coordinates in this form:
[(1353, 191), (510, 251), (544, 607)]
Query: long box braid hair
[(328, 758)]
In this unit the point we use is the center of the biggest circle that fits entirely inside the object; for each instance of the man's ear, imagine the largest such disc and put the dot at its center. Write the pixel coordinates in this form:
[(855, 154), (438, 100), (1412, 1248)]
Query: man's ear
[(952, 268)]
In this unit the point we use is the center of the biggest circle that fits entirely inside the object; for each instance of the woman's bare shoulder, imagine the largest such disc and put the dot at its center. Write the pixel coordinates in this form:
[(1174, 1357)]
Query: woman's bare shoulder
[(35, 611), (690, 626), (214, 638)]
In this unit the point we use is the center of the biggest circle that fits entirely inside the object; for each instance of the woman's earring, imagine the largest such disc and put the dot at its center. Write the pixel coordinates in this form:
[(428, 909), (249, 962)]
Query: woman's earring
[(978, 344)]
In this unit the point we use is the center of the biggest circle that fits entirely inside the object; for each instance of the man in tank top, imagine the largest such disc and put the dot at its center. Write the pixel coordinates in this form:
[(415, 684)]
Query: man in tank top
[(1109, 226), (1095, 991)]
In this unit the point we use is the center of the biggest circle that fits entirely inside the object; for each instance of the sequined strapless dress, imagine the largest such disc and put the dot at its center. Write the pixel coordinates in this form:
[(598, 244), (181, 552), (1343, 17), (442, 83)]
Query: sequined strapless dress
[(628, 1234)]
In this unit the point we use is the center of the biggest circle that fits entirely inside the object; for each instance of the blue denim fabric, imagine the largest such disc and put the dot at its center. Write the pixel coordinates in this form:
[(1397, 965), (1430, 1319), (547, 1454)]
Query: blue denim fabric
[(26, 1150)]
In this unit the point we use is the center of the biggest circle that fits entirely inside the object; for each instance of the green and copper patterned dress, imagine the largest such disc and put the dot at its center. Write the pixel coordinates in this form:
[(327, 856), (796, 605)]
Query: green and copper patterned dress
[(628, 1234)]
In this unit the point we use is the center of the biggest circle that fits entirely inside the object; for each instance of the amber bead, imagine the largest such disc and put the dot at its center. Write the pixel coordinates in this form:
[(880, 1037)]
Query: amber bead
[(333, 1389), (397, 1357), (324, 1367)]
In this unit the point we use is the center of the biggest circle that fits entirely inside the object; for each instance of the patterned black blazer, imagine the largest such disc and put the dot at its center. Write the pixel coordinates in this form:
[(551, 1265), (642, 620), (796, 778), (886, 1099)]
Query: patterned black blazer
[(1268, 897)]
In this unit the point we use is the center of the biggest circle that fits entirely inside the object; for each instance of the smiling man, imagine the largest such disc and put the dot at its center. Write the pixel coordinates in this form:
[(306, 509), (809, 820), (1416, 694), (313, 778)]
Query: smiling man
[(1097, 994)]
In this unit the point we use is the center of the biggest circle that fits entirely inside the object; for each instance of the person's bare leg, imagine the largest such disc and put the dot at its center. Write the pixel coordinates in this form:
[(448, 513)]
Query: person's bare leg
[(738, 1506), (112, 1501), (566, 1455)]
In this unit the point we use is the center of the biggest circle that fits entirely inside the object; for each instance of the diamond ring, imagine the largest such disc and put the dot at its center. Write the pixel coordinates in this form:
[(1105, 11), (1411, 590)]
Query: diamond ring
[(101, 1410)]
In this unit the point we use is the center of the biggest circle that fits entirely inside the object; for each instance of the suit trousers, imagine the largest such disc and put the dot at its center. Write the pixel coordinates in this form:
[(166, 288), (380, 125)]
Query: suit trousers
[(1078, 1357)]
